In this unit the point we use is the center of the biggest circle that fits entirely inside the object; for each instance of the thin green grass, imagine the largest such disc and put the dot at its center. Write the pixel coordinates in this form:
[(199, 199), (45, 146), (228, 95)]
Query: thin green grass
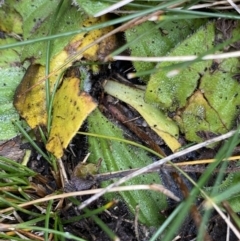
[(47, 67), (122, 140), (87, 29), (88, 213), (96, 219), (18, 195), (47, 220), (184, 207), (32, 142), (65, 235), (19, 174)]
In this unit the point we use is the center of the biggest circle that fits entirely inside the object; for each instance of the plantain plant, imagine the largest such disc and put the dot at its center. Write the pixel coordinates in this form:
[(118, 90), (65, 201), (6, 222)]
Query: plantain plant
[(194, 99)]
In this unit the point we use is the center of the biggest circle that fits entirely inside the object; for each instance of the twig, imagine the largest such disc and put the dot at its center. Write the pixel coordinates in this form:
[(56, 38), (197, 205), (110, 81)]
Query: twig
[(187, 167), (136, 222), (178, 58), (153, 187), (63, 174), (234, 6), (112, 7), (156, 165), (225, 218)]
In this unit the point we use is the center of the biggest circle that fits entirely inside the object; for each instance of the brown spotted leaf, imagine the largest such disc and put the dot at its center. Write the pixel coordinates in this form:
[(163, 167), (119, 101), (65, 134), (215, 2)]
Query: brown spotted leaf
[(70, 108)]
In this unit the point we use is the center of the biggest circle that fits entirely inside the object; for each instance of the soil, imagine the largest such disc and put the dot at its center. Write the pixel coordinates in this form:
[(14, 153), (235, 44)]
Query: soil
[(117, 218)]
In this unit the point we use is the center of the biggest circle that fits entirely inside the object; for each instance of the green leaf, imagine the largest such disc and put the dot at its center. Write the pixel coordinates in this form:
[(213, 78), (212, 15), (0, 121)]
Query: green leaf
[(35, 14), (9, 57), (91, 7), (10, 19), (156, 39), (157, 120), (38, 18), (118, 156), (10, 78), (173, 92), (203, 95), (11, 72)]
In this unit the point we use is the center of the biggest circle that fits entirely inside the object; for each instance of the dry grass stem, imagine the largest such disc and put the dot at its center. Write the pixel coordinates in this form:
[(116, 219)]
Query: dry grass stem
[(154, 187), (178, 58), (157, 165)]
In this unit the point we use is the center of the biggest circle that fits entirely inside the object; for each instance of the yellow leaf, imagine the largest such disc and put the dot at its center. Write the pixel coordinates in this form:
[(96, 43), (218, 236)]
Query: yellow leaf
[(30, 96), (31, 104), (70, 109), (156, 119)]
